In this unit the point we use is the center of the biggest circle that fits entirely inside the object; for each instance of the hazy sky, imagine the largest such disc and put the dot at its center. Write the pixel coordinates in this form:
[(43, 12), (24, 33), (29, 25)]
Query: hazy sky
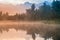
[(22, 1), (12, 9)]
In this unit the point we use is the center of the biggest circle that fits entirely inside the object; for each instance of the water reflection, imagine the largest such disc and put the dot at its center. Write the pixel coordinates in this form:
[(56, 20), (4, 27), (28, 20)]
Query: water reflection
[(26, 30), (12, 34)]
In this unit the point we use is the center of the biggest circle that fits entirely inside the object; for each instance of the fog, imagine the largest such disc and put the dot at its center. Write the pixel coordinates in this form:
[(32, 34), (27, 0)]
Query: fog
[(21, 30)]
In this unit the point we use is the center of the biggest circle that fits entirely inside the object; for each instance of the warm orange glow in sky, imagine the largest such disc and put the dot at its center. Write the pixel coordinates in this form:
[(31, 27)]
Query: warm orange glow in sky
[(12, 9), (11, 6)]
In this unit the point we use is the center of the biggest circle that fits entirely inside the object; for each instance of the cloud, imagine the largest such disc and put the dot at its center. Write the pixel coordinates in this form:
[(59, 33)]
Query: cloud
[(10, 1), (22, 1)]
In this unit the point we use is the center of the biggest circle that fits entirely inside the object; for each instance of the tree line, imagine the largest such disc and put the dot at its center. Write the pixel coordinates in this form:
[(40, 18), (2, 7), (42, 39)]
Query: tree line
[(16, 17), (44, 12)]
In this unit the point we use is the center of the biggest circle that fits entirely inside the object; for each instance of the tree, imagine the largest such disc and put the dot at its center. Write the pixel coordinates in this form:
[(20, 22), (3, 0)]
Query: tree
[(31, 12), (5, 16), (22, 17), (45, 11), (56, 9), (33, 7), (1, 15)]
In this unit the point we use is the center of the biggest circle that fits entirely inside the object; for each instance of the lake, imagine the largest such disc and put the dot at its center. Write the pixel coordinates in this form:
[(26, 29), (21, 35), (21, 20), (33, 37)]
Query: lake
[(18, 30), (16, 35)]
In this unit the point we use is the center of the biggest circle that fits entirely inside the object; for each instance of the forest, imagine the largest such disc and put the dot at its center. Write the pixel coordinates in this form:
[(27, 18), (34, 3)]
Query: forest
[(44, 12)]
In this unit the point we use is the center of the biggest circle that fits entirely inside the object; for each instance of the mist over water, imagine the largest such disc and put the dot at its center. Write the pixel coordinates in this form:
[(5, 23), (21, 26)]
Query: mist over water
[(18, 30)]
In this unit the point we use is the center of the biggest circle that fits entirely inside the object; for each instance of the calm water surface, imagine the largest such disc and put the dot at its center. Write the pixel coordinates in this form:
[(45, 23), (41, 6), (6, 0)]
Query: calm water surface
[(12, 34)]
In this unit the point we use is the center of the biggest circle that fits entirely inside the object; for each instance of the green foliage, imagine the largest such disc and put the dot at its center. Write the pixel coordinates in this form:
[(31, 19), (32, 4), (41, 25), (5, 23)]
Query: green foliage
[(45, 11), (56, 9), (33, 7)]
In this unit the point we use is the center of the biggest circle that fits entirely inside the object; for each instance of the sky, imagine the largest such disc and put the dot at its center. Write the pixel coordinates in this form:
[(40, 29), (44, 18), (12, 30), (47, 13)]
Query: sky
[(5, 5), (22, 1)]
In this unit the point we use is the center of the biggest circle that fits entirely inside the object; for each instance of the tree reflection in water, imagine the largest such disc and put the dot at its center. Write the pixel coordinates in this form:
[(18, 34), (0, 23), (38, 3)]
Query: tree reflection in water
[(44, 30)]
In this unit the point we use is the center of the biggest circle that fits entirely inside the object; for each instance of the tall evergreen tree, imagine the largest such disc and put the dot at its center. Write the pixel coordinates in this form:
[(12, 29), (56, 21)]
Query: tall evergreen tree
[(33, 7), (45, 11), (56, 8), (31, 12)]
